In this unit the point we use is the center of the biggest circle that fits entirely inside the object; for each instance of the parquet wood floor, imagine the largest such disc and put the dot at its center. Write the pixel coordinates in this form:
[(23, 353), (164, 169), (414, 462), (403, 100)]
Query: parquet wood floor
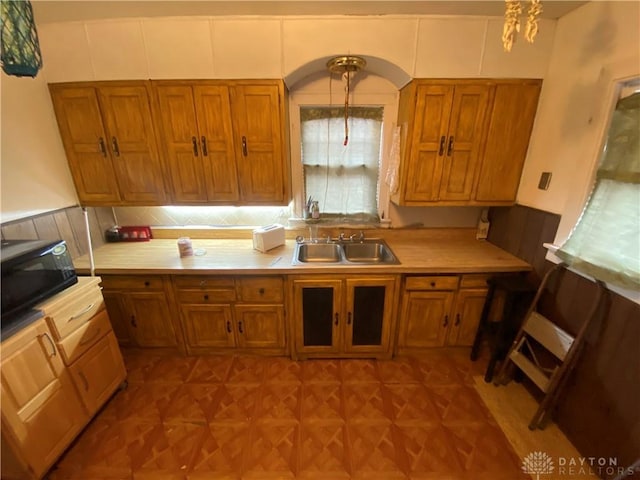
[(226, 417)]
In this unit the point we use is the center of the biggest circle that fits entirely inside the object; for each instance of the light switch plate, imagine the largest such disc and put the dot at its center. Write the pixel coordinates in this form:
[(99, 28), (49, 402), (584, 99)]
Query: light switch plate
[(545, 180)]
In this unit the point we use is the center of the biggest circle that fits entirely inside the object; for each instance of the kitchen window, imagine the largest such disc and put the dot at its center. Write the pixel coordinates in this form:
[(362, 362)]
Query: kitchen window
[(342, 172), (605, 243)]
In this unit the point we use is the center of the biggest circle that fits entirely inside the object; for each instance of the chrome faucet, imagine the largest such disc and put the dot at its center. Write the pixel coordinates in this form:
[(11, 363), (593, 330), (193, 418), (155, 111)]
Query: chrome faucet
[(360, 237)]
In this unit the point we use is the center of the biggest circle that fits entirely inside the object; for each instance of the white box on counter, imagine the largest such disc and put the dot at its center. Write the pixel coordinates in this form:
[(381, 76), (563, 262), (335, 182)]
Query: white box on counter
[(268, 237)]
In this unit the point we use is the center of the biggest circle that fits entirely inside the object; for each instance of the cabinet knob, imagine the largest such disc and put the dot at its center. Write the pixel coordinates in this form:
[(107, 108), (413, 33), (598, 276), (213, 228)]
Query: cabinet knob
[(457, 322), (203, 146), (446, 321), (133, 321), (114, 145), (336, 319), (261, 291), (203, 283), (228, 327), (433, 284), (450, 147), (206, 297), (103, 149), (240, 327), (441, 149), (147, 283)]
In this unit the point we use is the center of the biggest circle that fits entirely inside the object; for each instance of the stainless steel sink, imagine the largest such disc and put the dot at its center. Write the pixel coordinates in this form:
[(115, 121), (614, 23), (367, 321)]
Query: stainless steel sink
[(367, 252), (318, 253)]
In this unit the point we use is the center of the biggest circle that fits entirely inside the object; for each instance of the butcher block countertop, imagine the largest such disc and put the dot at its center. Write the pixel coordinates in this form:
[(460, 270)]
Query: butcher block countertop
[(419, 251)]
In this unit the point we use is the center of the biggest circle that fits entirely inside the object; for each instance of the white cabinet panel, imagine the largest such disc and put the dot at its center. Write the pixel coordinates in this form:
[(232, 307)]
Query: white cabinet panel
[(247, 49), (178, 48), (65, 52), (526, 60), (449, 48), (117, 50), (390, 39)]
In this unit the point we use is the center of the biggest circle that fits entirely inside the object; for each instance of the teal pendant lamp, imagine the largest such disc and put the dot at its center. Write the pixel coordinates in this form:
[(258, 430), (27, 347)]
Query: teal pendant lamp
[(20, 48)]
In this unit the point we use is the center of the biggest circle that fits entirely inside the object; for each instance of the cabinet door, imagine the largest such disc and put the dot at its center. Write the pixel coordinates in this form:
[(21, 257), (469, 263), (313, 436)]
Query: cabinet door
[(260, 327), (98, 372), (466, 316), (462, 151), (510, 124), (257, 127), (208, 326), (369, 311), (132, 141), (150, 319), (428, 145), (216, 141), (119, 315), (85, 143), (180, 134), (40, 406), (425, 319), (316, 315)]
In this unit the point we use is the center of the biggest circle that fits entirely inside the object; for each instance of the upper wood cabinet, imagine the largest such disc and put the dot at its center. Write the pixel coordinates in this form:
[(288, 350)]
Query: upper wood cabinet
[(109, 138), (224, 141), (464, 141)]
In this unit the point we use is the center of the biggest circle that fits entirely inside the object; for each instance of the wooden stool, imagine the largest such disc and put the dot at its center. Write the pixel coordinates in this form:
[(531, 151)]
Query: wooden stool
[(503, 312)]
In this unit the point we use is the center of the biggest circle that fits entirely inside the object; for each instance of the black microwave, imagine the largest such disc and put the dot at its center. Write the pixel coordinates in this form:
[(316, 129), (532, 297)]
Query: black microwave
[(32, 271)]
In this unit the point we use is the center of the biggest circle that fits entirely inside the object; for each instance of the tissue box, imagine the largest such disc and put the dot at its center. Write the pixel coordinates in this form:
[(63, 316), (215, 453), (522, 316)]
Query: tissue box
[(268, 237)]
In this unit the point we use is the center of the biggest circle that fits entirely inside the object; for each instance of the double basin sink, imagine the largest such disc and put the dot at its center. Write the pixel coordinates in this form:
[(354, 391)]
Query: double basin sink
[(372, 251)]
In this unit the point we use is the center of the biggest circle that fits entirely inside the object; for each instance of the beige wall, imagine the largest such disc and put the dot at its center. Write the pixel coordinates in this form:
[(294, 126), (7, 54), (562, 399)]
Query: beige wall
[(398, 47), (594, 44), (34, 171)]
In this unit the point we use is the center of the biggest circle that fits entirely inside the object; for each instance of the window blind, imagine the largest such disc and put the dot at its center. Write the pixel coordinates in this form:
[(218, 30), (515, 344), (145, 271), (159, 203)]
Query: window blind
[(605, 243)]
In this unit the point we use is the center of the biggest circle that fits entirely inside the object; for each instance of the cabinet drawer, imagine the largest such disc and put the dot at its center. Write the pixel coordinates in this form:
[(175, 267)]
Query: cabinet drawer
[(84, 337), (66, 318), (449, 282), (261, 289), (205, 283), (206, 296), (133, 282), (474, 280)]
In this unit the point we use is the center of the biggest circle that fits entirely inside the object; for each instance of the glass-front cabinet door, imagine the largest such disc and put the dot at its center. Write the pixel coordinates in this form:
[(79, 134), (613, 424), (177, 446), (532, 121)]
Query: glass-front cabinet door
[(369, 310), (317, 315)]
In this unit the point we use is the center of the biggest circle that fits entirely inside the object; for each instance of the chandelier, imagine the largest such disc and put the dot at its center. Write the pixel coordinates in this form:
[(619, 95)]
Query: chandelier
[(512, 22)]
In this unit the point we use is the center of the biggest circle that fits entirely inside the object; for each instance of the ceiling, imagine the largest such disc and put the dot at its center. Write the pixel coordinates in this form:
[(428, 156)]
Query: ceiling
[(47, 11)]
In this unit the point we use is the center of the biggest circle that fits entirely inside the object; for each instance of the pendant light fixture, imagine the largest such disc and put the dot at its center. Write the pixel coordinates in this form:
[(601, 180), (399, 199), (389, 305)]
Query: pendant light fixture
[(346, 66)]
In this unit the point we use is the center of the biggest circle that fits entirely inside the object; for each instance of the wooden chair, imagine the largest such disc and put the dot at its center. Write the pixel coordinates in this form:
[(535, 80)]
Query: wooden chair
[(544, 352)]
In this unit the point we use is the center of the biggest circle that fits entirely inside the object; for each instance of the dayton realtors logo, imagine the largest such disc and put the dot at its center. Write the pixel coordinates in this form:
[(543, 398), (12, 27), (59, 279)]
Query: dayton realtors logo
[(537, 463), (541, 463)]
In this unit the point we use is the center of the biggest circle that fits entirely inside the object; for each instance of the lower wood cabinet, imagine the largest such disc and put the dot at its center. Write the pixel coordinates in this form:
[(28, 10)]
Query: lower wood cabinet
[(140, 309), (344, 316), (239, 314), (56, 374), (440, 310), (41, 410)]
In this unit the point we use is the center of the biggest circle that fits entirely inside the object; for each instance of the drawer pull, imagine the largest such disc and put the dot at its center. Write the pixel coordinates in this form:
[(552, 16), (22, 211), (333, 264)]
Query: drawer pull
[(203, 145), (450, 147), (261, 291), (84, 380), (457, 322), (114, 145), (194, 142), (441, 149), (103, 149), (245, 150), (228, 327), (53, 346), (78, 315), (147, 283), (240, 327), (446, 321), (91, 338), (206, 297), (433, 284)]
